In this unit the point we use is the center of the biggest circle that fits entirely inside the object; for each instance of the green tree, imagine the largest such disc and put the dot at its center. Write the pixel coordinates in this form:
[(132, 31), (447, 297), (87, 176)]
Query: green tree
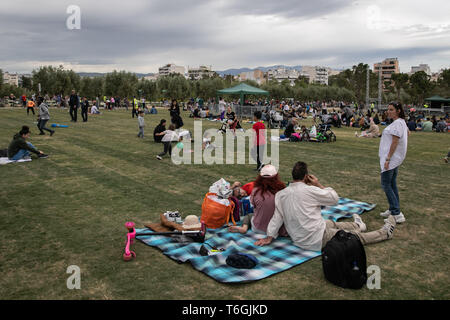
[(420, 86)]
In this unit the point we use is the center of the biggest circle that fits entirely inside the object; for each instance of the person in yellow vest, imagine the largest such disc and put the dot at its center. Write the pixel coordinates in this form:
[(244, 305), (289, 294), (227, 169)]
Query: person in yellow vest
[(30, 105), (135, 108)]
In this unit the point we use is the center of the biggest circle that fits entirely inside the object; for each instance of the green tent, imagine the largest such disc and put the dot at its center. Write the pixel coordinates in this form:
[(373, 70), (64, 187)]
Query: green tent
[(437, 101), (242, 90)]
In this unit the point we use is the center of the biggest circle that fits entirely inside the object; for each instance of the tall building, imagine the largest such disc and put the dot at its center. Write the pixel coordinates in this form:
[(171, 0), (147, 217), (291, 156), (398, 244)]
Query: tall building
[(316, 74), (421, 67), (255, 75), (200, 72), (11, 78), (171, 69), (387, 68)]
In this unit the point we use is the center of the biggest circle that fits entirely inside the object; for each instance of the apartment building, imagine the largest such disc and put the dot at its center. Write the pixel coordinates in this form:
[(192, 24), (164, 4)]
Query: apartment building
[(421, 67), (316, 74), (171, 69), (387, 68), (200, 72), (11, 78)]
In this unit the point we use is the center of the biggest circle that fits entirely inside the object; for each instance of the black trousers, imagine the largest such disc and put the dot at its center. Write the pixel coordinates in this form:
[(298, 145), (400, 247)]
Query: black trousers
[(84, 114), (41, 125), (28, 110), (167, 148), (73, 113)]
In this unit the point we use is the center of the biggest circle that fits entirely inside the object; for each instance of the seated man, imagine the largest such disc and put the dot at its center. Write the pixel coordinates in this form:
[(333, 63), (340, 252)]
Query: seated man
[(298, 207), (20, 149)]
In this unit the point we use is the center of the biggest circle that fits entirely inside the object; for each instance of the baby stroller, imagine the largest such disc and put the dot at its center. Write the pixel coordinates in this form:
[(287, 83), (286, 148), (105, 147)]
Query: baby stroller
[(275, 120), (324, 133)]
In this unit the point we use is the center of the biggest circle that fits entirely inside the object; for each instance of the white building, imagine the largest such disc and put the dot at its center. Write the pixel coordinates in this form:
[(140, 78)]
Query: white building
[(316, 74), (281, 74), (200, 72), (11, 78), (421, 67), (171, 69)]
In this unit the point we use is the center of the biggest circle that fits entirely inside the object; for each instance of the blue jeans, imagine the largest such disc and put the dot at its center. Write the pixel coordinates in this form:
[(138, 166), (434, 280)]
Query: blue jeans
[(22, 153), (389, 185)]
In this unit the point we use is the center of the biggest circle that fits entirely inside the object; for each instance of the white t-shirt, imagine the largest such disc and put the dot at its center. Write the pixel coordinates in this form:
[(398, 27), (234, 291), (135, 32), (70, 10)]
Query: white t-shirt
[(298, 207), (169, 135), (397, 128), (221, 106)]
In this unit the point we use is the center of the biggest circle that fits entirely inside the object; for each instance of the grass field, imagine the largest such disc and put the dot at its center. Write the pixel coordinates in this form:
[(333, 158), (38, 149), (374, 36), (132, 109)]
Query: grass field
[(70, 209)]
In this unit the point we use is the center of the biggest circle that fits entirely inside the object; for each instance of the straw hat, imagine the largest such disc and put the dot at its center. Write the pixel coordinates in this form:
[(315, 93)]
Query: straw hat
[(268, 171), (191, 222)]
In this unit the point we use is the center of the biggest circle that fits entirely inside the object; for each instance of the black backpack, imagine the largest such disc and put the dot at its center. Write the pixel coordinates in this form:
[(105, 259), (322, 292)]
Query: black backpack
[(344, 261)]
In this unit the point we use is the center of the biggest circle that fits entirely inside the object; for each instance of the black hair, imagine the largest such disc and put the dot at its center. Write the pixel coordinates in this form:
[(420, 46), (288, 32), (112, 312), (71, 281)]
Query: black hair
[(162, 121), (398, 107), (299, 171), (258, 115), (24, 130)]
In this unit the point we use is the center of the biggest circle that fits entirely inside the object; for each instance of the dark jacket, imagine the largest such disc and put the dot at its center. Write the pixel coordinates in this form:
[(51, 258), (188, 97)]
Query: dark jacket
[(74, 101), (18, 143), (159, 128), (289, 130)]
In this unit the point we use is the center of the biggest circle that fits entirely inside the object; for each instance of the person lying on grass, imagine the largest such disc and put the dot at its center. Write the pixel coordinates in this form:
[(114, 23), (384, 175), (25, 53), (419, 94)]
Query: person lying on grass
[(262, 197), (19, 148), (298, 206)]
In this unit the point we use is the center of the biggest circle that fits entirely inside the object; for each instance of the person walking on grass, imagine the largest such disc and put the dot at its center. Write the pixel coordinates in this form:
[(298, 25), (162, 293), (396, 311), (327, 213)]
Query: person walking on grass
[(392, 152), (74, 103), (19, 148), (84, 109), (168, 136), (30, 106), (298, 207), (141, 122), (43, 117)]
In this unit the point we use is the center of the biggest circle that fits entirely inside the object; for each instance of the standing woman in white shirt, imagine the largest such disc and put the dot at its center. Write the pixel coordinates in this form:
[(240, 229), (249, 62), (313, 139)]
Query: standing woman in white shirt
[(392, 152)]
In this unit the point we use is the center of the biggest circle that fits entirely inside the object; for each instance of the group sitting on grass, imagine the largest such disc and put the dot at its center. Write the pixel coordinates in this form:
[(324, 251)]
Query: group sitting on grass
[(295, 211)]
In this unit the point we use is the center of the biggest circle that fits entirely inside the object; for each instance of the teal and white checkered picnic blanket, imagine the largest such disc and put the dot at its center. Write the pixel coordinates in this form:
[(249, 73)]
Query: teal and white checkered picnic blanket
[(279, 256)]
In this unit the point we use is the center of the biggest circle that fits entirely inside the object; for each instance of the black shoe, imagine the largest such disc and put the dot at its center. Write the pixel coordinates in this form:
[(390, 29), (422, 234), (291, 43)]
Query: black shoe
[(42, 134), (52, 133), (42, 155)]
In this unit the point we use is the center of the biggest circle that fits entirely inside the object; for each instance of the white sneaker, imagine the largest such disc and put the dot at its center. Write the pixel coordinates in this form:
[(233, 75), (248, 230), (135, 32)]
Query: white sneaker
[(385, 214), (399, 218), (359, 222), (356, 133), (389, 226), (158, 157)]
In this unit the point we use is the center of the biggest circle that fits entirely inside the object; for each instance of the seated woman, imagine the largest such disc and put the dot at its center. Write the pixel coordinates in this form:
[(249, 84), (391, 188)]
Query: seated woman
[(372, 132), (94, 109), (262, 197)]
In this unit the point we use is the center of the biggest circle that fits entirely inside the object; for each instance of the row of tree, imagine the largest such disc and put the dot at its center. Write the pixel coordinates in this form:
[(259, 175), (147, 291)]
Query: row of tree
[(349, 85)]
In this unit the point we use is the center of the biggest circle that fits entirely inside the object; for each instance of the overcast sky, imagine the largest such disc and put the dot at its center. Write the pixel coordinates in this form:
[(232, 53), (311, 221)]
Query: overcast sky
[(142, 35)]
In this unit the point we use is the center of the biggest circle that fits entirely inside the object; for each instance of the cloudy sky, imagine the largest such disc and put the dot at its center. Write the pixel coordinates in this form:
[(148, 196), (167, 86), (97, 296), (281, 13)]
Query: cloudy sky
[(141, 35)]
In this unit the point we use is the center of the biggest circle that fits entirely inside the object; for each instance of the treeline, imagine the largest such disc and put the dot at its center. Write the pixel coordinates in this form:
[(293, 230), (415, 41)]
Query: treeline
[(349, 85)]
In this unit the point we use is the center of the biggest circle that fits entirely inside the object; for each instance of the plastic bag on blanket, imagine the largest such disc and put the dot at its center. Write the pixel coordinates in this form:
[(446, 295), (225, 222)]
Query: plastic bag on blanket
[(221, 188)]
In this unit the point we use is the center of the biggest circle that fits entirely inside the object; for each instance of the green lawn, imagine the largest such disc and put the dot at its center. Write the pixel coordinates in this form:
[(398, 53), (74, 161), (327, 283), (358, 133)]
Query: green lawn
[(70, 209)]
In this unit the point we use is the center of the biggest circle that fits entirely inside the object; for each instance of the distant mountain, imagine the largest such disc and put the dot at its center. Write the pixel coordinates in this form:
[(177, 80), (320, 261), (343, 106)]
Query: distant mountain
[(235, 72), (98, 74)]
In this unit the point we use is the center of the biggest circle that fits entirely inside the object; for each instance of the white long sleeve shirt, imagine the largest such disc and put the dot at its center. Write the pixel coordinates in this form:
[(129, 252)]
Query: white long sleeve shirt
[(298, 207)]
